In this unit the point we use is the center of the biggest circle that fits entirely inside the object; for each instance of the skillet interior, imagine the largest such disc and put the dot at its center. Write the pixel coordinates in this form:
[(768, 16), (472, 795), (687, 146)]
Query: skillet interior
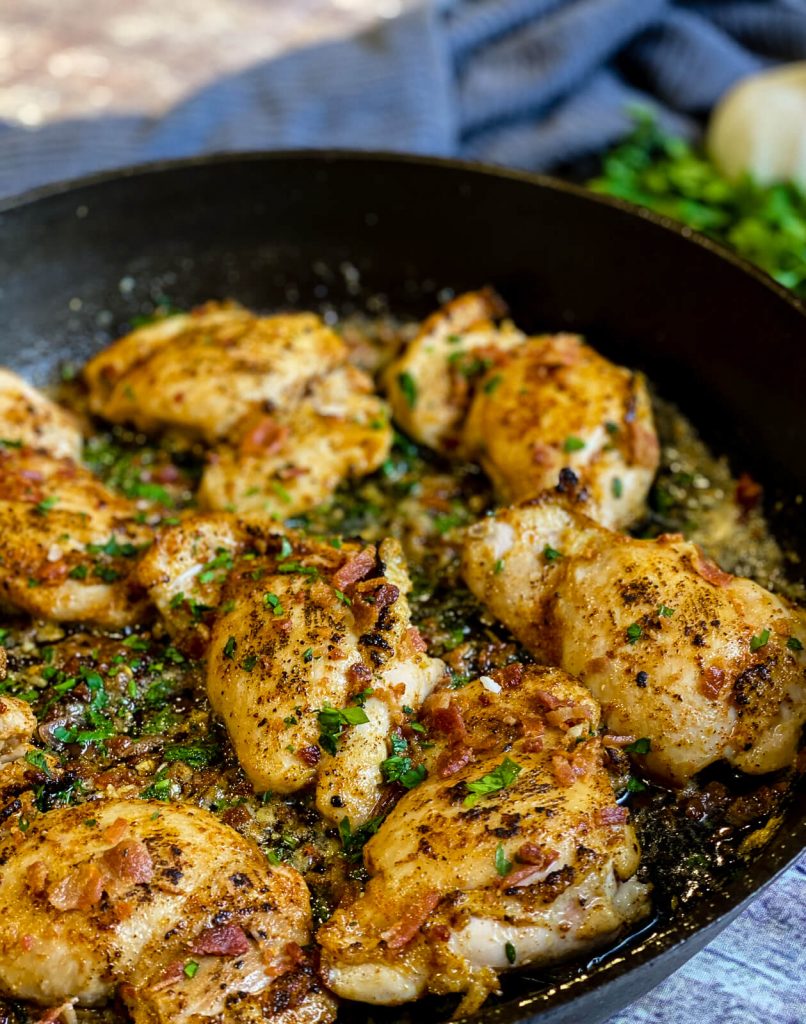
[(310, 229)]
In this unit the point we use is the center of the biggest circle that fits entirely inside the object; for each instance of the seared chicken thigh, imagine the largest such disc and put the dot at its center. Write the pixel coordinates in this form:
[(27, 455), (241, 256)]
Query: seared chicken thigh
[(703, 664), (527, 408), (513, 850), (556, 404), (17, 724), (290, 420), (163, 905), (429, 386), (312, 655), (199, 373), (66, 542), (28, 418), (286, 462)]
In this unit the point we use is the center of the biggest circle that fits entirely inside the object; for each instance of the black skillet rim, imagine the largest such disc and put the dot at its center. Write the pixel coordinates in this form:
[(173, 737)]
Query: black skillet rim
[(660, 952)]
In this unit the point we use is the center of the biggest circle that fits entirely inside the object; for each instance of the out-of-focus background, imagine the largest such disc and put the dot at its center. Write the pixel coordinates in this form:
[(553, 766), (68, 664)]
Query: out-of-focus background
[(74, 58)]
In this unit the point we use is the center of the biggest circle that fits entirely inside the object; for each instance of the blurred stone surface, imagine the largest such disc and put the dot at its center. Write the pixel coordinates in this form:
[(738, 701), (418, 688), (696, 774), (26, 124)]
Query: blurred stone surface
[(67, 58)]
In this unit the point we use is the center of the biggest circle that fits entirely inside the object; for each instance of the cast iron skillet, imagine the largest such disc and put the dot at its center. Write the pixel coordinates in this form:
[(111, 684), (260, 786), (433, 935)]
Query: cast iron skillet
[(308, 229)]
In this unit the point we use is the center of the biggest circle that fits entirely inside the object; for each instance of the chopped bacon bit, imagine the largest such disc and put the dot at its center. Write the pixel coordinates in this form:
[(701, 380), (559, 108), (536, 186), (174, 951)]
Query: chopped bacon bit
[(709, 570), (547, 700), (669, 538), (123, 910), (532, 744), (226, 940), (116, 831), (521, 877), (56, 1012), (440, 932), (575, 764), (172, 973), (52, 572), (414, 918), (294, 954), (265, 437), (711, 681), (27, 942), (614, 815), (386, 594), (359, 673), (748, 492), (168, 474), (448, 720), (612, 739), (536, 855), (416, 639), (37, 878), (355, 569), (644, 446), (542, 454), (130, 862), (511, 676), (309, 755), (81, 889), (453, 760), (566, 716)]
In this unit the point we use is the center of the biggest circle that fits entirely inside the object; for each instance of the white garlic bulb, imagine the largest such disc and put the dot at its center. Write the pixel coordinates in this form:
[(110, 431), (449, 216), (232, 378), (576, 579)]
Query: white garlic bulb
[(760, 126)]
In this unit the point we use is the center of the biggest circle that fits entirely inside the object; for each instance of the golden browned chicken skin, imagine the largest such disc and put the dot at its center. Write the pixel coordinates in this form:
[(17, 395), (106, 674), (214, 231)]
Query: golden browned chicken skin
[(527, 409), (17, 724), (288, 417), (164, 906), (702, 664), (199, 373), (67, 543), (299, 628), (285, 462), (28, 418), (513, 850)]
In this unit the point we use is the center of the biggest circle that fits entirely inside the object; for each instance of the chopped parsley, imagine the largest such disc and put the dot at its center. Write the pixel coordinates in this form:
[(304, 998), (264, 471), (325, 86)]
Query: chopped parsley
[(229, 647), (665, 611), (209, 571), (499, 566), (37, 759), (551, 554), (298, 567), (492, 385), (510, 952), (191, 969), (499, 778), (759, 641), (398, 768), (573, 444), (502, 865), (642, 746), (334, 722), (617, 487), (635, 785), (353, 841), (408, 387), (794, 644), (273, 601), (44, 506), (634, 633), (196, 755)]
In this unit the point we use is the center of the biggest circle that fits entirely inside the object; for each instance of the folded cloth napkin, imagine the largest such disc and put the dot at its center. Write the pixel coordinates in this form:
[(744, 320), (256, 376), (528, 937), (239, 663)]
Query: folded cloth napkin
[(528, 83)]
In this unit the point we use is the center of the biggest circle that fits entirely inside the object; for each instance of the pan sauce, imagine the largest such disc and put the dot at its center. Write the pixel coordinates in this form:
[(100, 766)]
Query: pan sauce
[(159, 735)]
